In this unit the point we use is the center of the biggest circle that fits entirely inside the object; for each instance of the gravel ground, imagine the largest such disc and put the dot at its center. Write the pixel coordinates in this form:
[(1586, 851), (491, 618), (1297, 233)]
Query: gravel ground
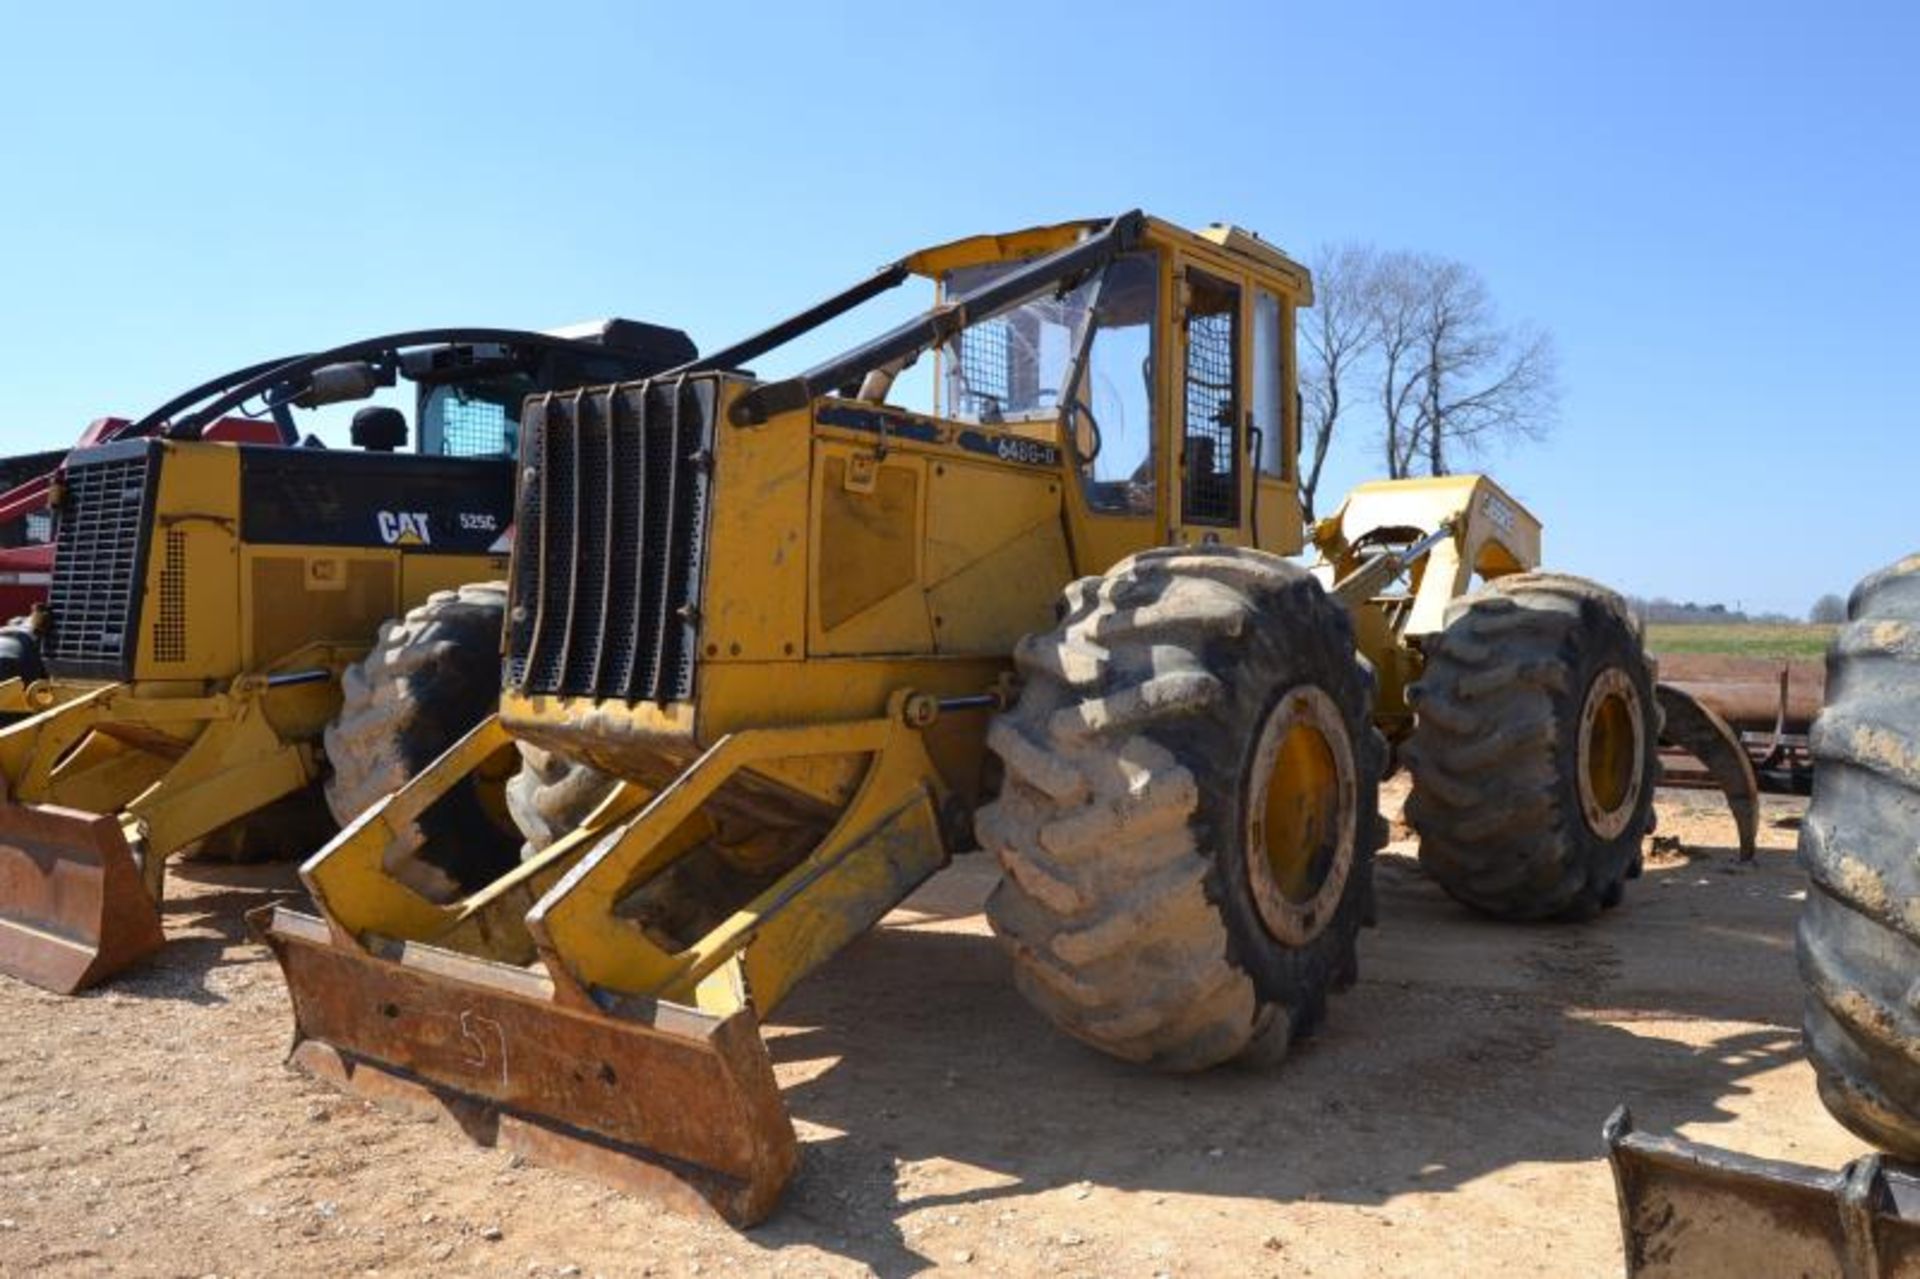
[(1445, 1122)]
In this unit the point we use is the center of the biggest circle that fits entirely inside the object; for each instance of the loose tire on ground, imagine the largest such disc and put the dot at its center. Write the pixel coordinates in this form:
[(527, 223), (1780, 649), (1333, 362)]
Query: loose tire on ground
[(430, 677), (1859, 933), (1139, 906), (1535, 749)]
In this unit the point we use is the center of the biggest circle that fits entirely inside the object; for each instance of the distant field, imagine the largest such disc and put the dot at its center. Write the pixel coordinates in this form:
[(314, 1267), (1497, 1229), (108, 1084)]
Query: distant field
[(1746, 639)]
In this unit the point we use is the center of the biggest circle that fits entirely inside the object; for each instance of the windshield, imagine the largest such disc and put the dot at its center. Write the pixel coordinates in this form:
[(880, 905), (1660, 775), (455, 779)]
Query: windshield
[(1014, 365)]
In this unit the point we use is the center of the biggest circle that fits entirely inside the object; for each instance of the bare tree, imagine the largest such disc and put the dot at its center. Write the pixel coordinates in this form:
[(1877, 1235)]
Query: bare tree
[(1339, 333), (1828, 609), (1418, 335), (1451, 378), (1395, 297)]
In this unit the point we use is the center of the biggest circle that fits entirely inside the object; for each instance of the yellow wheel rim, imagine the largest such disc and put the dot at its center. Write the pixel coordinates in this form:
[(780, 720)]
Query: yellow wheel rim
[(1612, 756), (1300, 815)]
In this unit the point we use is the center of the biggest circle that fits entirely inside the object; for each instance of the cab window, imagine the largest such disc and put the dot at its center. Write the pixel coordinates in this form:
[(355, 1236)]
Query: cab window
[(1269, 385), (1111, 418), (1009, 367)]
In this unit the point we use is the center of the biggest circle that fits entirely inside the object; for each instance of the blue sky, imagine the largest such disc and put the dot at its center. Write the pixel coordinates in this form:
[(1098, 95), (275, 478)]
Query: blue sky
[(1710, 206)]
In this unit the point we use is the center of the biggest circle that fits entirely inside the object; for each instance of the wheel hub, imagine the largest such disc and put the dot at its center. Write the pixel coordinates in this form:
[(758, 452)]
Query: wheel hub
[(1300, 815), (1612, 755)]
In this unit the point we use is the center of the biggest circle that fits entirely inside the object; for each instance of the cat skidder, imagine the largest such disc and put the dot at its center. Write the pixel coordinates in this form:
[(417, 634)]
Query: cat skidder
[(236, 624), (1011, 575)]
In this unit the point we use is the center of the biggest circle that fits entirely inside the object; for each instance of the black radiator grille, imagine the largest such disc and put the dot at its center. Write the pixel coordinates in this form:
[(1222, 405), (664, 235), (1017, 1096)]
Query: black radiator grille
[(609, 540), (105, 517)]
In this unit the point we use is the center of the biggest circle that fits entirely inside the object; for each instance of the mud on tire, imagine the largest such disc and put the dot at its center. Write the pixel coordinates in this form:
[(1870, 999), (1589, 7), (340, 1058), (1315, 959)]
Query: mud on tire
[(1534, 753), (430, 677), (1128, 903), (1859, 933)]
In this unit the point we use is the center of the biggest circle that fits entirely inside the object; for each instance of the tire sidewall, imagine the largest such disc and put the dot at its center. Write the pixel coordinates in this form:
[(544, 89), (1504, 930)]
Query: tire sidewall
[(1259, 668), (1603, 640)]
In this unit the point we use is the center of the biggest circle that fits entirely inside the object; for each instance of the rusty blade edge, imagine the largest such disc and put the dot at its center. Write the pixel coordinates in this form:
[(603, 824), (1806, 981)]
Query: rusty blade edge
[(1700, 1211), (682, 1109)]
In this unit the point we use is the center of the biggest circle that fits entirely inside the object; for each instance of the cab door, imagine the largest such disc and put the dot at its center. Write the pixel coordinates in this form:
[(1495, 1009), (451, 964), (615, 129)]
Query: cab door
[(1209, 409)]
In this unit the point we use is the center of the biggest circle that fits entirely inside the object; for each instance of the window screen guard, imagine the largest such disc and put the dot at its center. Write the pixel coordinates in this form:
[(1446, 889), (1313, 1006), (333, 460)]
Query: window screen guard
[(1211, 492)]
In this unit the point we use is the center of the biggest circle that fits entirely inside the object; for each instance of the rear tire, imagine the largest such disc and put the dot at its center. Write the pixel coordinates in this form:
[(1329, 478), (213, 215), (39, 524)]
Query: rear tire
[(430, 677), (20, 659), (1535, 749), (1859, 933), (1141, 786)]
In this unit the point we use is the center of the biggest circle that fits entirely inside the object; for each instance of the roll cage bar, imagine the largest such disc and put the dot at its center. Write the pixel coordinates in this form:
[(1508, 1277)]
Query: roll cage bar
[(361, 367), (1063, 267)]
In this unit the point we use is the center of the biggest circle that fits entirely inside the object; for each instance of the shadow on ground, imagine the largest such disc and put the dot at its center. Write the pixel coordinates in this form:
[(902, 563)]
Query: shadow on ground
[(204, 914), (1468, 1047)]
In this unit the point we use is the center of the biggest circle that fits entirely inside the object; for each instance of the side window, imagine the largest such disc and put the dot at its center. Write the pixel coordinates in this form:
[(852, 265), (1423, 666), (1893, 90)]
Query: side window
[(1212, 402), (1112, 410), (1269, 385)]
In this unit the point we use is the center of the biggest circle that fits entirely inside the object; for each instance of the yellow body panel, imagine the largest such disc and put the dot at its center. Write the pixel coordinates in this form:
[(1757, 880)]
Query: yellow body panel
[(760, 613)]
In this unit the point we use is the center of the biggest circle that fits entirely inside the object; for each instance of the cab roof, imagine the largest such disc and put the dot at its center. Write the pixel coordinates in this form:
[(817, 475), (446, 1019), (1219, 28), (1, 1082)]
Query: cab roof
[(1234, 241)]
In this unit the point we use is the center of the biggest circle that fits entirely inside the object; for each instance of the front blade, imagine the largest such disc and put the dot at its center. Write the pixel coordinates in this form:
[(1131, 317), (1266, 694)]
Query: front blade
[(1702, 1213), (73, 908), (674, 1104)]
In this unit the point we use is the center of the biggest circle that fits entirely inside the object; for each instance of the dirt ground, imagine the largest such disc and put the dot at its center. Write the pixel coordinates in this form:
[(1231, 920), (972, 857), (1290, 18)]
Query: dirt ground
[(1445, 1122)]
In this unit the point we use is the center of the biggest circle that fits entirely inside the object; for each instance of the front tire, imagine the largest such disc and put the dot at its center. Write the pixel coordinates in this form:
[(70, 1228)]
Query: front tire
[(552, 795), (1859, 933), (1535, 749), (1189, 810), (430, 677)]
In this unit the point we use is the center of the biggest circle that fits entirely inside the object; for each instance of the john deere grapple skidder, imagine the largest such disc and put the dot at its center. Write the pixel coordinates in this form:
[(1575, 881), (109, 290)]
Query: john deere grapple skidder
[(1045, 522), (207, 598)]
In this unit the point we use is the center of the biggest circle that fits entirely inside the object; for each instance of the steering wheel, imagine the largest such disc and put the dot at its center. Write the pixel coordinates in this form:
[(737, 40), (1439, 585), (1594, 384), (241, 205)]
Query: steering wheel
[(1081, 407)]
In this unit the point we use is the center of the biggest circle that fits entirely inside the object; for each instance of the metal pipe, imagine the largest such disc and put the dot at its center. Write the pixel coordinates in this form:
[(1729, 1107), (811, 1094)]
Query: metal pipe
[(813, 317)]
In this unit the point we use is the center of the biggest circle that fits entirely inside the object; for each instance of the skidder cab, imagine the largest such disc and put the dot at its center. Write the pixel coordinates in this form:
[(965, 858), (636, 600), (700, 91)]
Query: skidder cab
[(1046, 520)]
